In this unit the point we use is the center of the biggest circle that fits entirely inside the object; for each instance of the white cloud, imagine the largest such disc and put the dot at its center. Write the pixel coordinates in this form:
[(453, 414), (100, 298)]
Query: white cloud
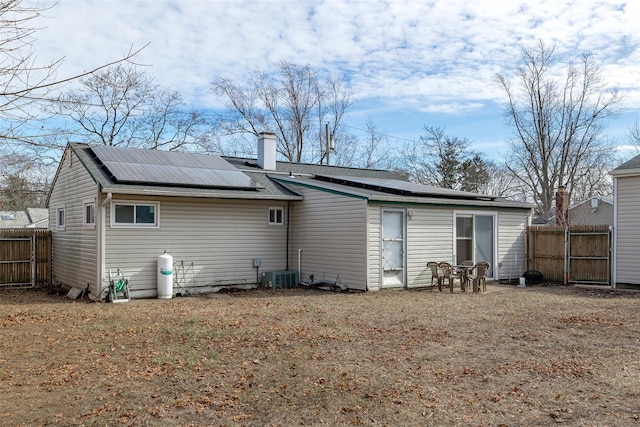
[(437, 55)]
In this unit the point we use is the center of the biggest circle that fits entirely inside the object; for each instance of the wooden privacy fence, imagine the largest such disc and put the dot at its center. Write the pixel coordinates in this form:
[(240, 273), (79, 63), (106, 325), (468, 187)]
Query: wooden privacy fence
[(578, 254), (25, 258)]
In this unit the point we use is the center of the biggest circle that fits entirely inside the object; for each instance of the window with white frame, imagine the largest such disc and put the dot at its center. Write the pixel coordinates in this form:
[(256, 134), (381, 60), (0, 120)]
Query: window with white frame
[(60, 219), (134, 214), (89, 212), (276, 215)]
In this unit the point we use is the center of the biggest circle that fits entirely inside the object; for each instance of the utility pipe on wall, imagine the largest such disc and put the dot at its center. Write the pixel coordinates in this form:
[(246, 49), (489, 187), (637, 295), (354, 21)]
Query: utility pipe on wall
[(299, 269), (101, 241)]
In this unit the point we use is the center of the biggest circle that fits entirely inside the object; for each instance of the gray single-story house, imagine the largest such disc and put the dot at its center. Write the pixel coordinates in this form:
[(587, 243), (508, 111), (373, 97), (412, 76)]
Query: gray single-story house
[(227, 221), (626, 240)]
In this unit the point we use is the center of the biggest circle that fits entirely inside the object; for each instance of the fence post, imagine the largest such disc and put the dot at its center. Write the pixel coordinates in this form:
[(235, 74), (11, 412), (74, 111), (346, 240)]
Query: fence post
[(566, 256), (33, 259)]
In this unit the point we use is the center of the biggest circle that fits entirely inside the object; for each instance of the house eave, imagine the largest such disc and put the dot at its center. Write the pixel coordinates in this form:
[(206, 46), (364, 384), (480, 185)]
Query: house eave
[(427, 201), (160, 192), (624, 173)]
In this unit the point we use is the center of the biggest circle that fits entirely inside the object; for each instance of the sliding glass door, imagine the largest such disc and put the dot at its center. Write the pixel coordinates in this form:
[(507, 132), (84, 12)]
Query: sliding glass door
[(475, 238)]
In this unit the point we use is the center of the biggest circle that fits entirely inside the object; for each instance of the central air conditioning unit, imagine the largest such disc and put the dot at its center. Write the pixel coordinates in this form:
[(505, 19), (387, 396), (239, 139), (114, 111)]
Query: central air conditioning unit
[(280, 279)]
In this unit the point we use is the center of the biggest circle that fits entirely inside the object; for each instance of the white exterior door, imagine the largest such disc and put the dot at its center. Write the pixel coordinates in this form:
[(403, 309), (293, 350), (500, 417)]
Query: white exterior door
[(393, 248)]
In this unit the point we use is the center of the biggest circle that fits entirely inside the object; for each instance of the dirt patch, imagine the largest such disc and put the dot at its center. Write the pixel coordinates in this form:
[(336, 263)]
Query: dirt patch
[(510, 357)]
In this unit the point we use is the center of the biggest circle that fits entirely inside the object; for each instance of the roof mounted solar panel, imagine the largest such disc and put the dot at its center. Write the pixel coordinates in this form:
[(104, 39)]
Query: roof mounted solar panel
[(405, 188), (170, 168)]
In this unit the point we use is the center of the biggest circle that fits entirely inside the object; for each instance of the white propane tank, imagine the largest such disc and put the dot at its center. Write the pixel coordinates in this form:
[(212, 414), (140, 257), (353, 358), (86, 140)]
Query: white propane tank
[(165, 276)]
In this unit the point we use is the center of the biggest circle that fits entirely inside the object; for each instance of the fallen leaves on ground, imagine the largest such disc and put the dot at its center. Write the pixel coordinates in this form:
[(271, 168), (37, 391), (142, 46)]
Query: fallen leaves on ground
[(282, 357)]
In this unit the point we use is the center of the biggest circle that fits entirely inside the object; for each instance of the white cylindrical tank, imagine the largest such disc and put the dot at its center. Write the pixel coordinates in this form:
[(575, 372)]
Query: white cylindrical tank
[(165, 276)]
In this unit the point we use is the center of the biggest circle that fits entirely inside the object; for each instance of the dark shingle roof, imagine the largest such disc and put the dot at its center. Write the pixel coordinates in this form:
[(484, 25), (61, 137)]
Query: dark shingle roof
[(630, 166), (372, 184), (265, 188), (313, 169)]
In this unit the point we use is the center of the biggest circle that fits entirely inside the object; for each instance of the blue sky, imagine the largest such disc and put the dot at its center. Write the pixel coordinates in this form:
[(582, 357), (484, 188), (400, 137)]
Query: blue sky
[(411, 63)]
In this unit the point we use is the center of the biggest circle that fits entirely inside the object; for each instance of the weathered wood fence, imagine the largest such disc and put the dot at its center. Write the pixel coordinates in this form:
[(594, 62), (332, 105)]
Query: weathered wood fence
[(580, 254), (25, 258)]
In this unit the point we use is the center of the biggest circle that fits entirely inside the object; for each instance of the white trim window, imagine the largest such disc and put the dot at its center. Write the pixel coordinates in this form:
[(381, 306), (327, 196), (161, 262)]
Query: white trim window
[(134, 214), (276, 215), (89, 214), (60, 219)]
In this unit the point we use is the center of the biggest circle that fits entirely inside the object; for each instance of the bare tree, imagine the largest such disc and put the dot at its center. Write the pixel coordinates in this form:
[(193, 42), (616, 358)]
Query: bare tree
[(24, 82), (634, 136), (22, 183), (502, 182), (374, 154), (558, 124), (294, 102), (368, 152), (123, 106)]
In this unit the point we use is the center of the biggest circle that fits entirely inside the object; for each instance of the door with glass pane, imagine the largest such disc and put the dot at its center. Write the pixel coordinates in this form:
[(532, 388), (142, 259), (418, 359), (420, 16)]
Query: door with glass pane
[(475, 239), (393, 243)]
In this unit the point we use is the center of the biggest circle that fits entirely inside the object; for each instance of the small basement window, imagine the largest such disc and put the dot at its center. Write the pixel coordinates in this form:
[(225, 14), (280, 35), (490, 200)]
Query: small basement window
[(134, 214), (276, 216)]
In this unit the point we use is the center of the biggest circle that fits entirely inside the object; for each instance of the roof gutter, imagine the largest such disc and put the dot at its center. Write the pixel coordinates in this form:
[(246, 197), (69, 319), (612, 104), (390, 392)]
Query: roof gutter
[(199, 195)]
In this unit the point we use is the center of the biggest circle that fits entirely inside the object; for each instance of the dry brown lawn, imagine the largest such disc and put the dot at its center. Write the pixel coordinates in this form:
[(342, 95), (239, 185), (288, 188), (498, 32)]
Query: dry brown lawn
[(510, 357)]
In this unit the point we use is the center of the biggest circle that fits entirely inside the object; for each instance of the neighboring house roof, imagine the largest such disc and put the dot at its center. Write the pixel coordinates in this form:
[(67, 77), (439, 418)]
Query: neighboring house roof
[(152, 172), (29, 218), (549, 217), (631, 167)]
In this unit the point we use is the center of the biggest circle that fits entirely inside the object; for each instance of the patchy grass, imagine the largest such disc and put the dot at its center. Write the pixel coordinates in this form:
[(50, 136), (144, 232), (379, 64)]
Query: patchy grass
[(510, 357)]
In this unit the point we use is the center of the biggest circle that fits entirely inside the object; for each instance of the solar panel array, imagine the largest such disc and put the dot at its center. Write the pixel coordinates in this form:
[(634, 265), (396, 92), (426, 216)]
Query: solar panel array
[(404, 187), (138, 166)]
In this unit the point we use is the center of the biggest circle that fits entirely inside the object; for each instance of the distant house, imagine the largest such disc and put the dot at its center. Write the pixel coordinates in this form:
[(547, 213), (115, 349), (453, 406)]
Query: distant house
[(626, 241), (595, 210), (226, 221), (29, 218)]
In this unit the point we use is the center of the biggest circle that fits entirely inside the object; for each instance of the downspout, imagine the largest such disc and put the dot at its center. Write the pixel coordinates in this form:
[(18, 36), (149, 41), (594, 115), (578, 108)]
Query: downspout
[(614, 234), (288, 231), (101, 242)]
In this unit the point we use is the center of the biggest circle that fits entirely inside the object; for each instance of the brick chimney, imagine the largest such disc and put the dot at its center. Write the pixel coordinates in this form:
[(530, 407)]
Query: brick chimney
[(267, 150), (562, 206)]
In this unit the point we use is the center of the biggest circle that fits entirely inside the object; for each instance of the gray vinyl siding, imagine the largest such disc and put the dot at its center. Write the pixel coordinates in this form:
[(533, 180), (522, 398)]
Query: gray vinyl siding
[(512, 227), (374, 280), (429, 238), (332, 233), (585, 214), (627, 257), (74, 248), (219, 238)]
